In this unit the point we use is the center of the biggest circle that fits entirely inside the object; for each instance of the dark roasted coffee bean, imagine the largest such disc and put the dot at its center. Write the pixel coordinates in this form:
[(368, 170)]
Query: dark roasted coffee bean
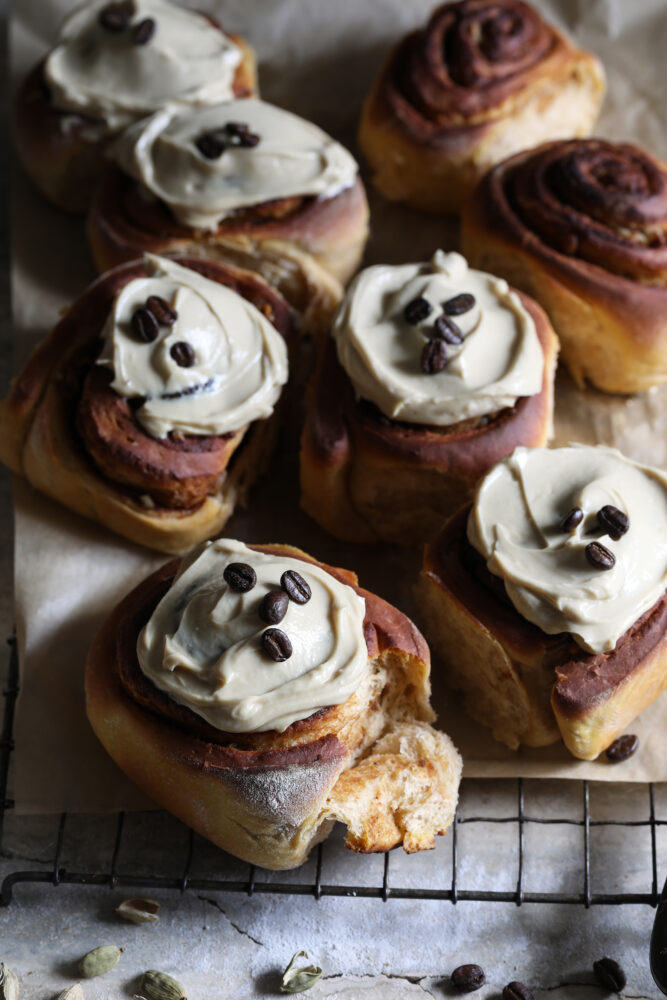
[(517, 991), (462, 303), (599, 556), (622, 748), (613, 521), (144, 325), (239, 134), (144, 31), (468, 978), (572, 519), (211, 145), (446, 329), (249, 139), (609, 974), (115, 17), (273, 607), (240, 576), (295, 586), (416, 311), (434, 357), (183, 354), (276, 644), (164, 314)]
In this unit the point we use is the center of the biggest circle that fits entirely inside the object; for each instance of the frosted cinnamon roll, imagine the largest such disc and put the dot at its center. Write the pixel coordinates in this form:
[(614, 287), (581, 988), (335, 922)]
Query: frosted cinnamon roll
[(546, 600), (482, 80), (241, 177), (260, 696), (434, 371), (582, 226), (114, 62), (151, 406)]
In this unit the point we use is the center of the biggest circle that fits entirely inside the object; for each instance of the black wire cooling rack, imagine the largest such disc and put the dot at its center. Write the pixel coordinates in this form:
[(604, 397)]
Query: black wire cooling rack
[(256, 881)]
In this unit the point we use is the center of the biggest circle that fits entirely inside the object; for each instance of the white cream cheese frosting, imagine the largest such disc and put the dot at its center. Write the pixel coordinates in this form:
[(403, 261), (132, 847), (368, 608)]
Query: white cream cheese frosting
[(105, 75), (292, 158), (516, 524), (203, 643), (239, 360), (499, 360)]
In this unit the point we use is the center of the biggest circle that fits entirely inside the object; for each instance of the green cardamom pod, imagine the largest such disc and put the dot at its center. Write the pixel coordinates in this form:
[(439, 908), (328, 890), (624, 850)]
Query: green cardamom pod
[(299, 980), (159, 986), (139, 911), (99, 960), (9, 984), (71, 993)]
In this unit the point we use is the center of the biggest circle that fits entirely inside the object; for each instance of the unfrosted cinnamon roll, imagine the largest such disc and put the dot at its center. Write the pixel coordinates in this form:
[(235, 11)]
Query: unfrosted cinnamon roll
[(114, 62), (582, 226), (483, 79), (262, 737)]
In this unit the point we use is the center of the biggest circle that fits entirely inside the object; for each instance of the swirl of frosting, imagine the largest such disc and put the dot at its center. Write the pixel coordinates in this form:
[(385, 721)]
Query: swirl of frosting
[(517, 525), (293, 158), (228, 370), (603, 202), (498, 360), (469, 59), (203, 643), (106, 75)]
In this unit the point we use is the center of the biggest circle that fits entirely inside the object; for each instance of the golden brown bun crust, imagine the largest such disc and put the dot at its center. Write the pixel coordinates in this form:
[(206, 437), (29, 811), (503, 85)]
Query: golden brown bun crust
[(365, 477), (63, 162), (529, 687), (577, 225), (464, 92), (332, 231), (38, 436), (268, 797)]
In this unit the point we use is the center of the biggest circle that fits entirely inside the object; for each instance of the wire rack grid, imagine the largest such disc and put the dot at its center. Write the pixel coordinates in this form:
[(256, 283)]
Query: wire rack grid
[(256, 881)]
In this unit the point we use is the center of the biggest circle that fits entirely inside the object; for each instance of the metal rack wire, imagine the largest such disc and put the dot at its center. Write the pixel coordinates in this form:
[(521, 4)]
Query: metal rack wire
[(256, 882)]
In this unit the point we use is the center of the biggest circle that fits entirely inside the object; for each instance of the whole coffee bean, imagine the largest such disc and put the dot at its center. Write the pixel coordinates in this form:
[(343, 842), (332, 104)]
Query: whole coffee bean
[(164, 314), (609, 974), (144, 31), (276, 645), (462, 303), (622, 748), (183, 354), (517, 991), (239, 134), (144, 325), (416, 311), (433, 357), (273, 607), (613, 521), (211, 145), (572, 519), (115, 17), (446, 329), (468, 978), (295, 586), (599, 556), (239, 576)]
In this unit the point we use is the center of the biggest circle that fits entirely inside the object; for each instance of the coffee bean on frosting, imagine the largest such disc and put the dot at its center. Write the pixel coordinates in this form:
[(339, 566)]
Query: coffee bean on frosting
[(295, 586), (613, 521), (273, 606), (143, 31), (164, 314), (144, 325), (622, 748), (212, 145), (115, 17), (239, 576), (462, 303), (434, 357), (446, 329), (239, 134), (276, 644), (573, 518), (417, 310), (183, 354), (599, 556)]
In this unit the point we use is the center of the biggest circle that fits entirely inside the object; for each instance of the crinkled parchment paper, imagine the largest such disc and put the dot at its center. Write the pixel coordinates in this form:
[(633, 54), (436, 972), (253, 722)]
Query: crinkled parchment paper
[(318, 59)]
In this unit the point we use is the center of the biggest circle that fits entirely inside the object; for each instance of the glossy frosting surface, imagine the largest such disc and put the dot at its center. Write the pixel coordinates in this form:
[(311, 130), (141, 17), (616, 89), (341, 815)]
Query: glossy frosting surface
[(239, 361), (516, 524), (499, 360), (202, 644)]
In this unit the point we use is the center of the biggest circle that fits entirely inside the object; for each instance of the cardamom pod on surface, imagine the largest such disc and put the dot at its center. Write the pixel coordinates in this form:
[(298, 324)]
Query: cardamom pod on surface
[(299, 980), (157, 985), (99, 960), (9, 984), (139, 911), (71, 993)]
